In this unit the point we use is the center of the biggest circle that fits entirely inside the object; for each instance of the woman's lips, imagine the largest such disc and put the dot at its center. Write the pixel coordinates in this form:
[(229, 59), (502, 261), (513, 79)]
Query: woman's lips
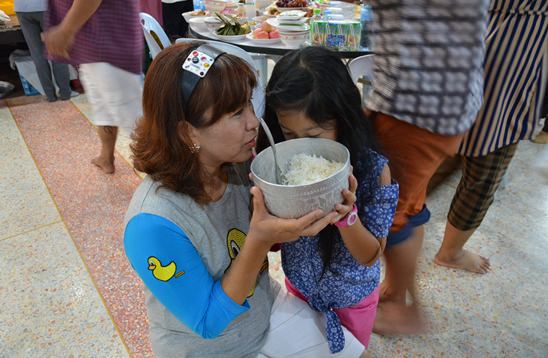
[(251, 143)]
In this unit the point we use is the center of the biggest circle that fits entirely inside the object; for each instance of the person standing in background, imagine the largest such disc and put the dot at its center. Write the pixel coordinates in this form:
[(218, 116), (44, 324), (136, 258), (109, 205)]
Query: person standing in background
[(31, 18), (105, 38), (517, 43), (174, 22), (153, 8), (542, 137), (425, 95)]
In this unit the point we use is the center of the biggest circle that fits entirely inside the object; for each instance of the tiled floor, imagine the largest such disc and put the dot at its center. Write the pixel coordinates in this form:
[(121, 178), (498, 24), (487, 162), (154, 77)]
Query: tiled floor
[(66, 288)]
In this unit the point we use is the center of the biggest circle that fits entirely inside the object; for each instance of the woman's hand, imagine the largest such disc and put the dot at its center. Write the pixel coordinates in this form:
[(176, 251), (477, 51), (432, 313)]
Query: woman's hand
[(58, 41), (349, 196), (270, 229)]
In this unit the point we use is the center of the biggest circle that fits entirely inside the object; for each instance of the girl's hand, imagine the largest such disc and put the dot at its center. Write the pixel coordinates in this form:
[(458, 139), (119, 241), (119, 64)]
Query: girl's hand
[(349, 196), (270, 229)]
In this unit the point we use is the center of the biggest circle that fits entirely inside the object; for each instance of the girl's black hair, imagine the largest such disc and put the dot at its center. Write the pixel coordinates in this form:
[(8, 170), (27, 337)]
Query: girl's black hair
[(315, 81)]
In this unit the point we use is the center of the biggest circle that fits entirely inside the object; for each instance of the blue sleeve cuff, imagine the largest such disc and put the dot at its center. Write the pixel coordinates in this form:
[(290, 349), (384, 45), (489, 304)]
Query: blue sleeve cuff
[(231, 307)]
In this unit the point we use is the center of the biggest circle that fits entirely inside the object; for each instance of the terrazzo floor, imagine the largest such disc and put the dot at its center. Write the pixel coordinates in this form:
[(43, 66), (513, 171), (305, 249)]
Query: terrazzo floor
[(67, 290)]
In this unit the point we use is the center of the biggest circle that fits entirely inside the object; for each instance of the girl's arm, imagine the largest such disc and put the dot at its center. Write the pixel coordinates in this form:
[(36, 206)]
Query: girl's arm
[(364, 246), (264, 231)]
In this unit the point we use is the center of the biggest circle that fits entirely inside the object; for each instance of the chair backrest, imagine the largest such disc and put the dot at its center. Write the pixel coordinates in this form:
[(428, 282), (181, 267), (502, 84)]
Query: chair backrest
[(361, 71), (155, 36), (258, 96), (361, 67)]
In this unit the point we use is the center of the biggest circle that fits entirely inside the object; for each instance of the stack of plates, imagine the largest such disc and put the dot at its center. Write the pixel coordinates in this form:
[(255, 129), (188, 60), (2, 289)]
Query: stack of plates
[(297, 25), (293, 15)]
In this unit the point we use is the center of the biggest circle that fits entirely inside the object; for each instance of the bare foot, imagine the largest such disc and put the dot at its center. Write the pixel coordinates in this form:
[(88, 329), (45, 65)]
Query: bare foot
[(397, 319), (107, 166), (464, 260), (387, 294)]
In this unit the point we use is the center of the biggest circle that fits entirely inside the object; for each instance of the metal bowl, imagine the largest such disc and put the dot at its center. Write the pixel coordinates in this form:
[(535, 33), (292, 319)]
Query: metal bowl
[(294, 201)]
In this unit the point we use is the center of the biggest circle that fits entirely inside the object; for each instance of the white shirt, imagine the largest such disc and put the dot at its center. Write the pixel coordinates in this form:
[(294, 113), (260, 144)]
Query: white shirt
[(30, 5)]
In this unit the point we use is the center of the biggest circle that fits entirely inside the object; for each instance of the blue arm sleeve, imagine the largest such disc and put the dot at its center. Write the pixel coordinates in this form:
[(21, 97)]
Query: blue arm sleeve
[(171, 268), (377, 215)]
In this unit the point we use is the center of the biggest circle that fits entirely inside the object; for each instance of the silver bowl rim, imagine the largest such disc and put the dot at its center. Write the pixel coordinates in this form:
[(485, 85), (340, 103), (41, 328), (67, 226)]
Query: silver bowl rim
[(344, 167)]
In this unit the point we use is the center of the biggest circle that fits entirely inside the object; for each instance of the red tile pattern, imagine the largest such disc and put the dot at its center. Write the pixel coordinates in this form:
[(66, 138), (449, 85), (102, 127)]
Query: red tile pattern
[(92, 205)]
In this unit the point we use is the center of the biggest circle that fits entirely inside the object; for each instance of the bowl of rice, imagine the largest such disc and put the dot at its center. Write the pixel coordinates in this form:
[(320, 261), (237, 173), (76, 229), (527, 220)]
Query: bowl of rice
[(314, 172)]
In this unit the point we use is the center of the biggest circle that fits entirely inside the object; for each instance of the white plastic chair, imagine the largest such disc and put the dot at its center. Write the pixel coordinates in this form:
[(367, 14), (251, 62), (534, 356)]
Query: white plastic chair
[(258, 96), (361, 71), (155, 36)]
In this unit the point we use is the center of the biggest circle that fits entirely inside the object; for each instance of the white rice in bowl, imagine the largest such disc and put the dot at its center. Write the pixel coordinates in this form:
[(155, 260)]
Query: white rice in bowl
[(305, 169)]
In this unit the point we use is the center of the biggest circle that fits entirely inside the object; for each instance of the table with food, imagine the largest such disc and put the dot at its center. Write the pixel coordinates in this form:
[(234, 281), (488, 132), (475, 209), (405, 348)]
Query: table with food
[(10, 31), (281, 26)]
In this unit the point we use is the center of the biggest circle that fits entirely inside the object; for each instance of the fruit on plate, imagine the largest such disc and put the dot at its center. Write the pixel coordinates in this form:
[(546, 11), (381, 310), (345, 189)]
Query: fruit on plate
[(231, 26), (272, 11), (265, 32), (267, 27)]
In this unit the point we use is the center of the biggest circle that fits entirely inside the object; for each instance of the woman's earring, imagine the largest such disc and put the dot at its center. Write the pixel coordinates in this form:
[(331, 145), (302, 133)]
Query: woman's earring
[(194, 148)]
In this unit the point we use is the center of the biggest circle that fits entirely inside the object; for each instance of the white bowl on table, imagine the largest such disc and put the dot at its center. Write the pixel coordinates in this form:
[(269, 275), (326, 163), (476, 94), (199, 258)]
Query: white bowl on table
[(294, 201), (212, 23), (294, 39), (198, 23)]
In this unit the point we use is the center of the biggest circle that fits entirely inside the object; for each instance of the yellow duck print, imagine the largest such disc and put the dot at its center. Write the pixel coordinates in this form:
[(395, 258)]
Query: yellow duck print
[(163, 273), (235, 240)]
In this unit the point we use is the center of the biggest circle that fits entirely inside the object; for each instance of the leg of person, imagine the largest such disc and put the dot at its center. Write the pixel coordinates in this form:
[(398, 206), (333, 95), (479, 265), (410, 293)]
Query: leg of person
[(171, 20), (31, 25), (296, 330), (60, 72), (542, 137), (475, 193), (175, 24), (105, 160), (447, 168), (115, 97), (394, 316), (184, 6), (359, 318), (62, 78), (414, 155)]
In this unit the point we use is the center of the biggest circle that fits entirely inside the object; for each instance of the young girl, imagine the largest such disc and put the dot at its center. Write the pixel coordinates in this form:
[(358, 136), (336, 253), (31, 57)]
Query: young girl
[(311, 94)]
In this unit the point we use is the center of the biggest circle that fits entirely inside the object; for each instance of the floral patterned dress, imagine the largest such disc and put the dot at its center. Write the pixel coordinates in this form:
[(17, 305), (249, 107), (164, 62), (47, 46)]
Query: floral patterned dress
[(346, 282)]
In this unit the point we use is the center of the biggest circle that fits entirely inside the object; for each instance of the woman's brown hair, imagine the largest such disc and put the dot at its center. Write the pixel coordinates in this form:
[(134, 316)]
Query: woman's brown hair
[(159, 148)]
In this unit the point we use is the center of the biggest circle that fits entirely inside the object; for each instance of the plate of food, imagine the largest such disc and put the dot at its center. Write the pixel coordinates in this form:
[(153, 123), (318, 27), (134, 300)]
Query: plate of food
[(231, 29), (265, 34), (262, 41), (230, 38), (194, 14), (289, 5)]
